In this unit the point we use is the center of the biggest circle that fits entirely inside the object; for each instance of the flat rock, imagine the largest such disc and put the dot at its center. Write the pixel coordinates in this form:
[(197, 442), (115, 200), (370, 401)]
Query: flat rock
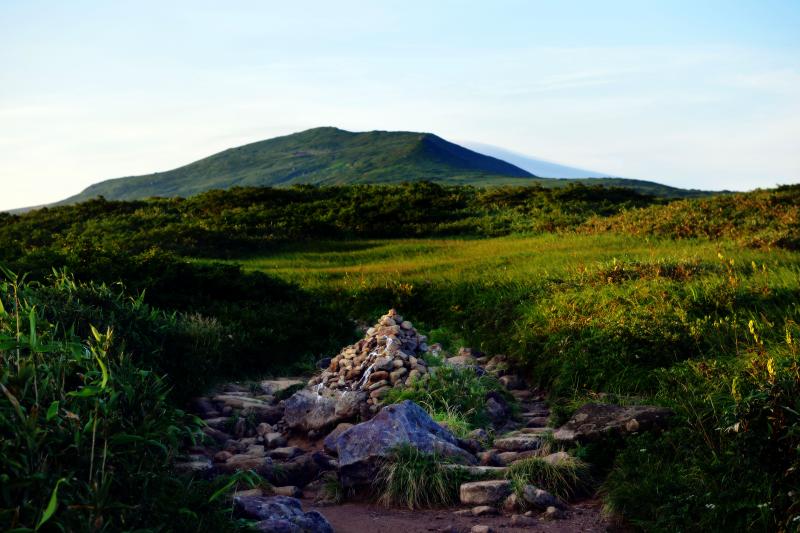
[(594, 421), (285, 453), (308, 410), (521, 443), (492, 492), (484, 510)]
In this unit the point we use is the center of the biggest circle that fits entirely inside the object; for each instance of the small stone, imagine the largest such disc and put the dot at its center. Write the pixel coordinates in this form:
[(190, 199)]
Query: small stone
[(378, 376), (539, 498), (484, 510), (274, 440), (397, 374), (553, 513), (522, 520), (398, 363), (557, 457), (463, 512), (286, 453), (406, 325), (384, 363), (518, 444), (379, 393), (481, 529), (512, 503), (263, 428), (289, 490), (221, 457), (492, 492), (512, 382), (378, 385)]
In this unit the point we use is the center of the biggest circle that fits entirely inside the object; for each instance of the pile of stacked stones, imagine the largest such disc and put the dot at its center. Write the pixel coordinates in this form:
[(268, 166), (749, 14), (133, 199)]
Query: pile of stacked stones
[(388, 356)]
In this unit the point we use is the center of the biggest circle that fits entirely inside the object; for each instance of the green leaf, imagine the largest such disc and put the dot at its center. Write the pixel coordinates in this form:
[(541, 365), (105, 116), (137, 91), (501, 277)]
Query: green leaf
[(52, 505), (32, 319), (97, 336), (103, 369), (52, 411)]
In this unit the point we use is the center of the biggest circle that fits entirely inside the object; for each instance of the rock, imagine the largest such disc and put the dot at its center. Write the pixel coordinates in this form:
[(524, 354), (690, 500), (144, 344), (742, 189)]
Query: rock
[(274, 440), (308, 411), (489, 458), (406, 325), (285, 453), (263, 428), (471, 445), (511, 503), (289, 490), (594, 421), (496, 410), (301, 470), (242, 462), (518, 444), (538, 421), (329, 444), (539, 498), (492, 492), (324, 363), (222, 456), (197, 467), (380, 375), (385, 364), (481, 529), (512, 382), (557, 457), (478, 434), (553, 513), (362, 447), (397, 374), (462, 360), (506, 458), (484, 510), (275, 387), (463, 512), (479, 471), (280, 514), (519, 520)]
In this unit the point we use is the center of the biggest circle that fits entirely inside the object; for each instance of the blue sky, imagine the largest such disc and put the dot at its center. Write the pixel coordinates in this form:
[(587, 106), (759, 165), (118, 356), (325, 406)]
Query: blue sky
[(693, 94)]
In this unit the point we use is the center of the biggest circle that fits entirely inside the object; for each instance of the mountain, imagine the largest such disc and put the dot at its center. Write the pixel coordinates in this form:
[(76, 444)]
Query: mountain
[(323, 156), (330, 156), (539, 167)]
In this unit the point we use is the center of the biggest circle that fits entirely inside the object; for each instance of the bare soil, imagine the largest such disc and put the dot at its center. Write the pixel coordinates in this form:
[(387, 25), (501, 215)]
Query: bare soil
[(370, 518)]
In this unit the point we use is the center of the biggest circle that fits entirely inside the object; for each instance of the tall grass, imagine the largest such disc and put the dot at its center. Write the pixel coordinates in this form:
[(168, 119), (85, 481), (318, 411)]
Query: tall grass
[(88, 436), (413, 479)]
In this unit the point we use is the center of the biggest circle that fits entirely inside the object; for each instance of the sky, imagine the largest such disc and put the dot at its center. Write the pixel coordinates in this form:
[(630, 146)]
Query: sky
[(700, 94)]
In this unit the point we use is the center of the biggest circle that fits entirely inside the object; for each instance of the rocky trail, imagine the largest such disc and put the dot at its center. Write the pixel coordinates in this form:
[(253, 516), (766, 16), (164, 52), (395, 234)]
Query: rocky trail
[(313, 441)]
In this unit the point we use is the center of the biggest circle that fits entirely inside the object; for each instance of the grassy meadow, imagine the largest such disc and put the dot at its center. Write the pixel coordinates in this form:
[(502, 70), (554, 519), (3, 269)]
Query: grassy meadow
[(705, 327), (594, 294)]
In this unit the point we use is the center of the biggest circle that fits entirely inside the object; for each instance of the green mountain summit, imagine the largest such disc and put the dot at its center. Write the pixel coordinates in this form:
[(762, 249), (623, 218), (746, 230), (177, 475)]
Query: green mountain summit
[(331, 156)]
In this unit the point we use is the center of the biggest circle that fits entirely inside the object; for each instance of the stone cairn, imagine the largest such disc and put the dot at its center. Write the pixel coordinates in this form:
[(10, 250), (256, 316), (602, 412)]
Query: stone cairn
[(387, 357)]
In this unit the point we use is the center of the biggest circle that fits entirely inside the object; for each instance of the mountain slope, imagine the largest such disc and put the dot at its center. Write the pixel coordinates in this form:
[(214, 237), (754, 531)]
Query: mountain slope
[(324, 156)]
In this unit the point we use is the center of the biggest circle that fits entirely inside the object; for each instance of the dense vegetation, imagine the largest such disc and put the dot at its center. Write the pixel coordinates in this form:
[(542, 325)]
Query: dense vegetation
[(330, 156), (595, 293)]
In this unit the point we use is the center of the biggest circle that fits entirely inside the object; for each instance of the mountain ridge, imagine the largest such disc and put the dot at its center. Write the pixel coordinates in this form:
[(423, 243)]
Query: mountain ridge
[(332, 156)]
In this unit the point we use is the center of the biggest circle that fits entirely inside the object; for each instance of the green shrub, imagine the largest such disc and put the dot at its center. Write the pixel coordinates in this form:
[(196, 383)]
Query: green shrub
[(452, 391)]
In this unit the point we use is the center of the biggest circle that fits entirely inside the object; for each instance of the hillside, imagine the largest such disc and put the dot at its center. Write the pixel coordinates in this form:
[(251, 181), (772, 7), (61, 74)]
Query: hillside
[(322, 156), (330, 156)]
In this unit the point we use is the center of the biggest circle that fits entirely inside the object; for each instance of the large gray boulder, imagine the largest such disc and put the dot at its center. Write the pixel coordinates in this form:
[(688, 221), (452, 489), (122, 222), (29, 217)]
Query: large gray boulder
[(280, 514), (594, 421), (311, 411), (363, 447)]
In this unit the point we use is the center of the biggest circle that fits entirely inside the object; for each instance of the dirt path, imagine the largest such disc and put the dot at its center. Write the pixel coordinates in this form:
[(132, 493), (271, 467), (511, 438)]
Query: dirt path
[(370, 518)]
